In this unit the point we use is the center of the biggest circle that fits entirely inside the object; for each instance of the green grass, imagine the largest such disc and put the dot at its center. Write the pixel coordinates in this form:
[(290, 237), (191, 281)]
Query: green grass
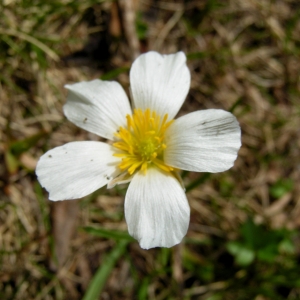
[(243, 238)]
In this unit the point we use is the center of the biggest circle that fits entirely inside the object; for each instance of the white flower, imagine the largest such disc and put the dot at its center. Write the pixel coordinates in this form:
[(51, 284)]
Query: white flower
[(147, 149)]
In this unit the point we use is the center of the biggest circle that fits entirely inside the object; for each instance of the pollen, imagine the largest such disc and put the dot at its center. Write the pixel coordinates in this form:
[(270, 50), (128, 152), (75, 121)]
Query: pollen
[(141, 142)]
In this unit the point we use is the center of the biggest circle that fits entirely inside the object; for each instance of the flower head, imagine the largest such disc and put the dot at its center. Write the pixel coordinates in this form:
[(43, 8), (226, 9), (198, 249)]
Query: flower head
[(147, 146), (142, 141)]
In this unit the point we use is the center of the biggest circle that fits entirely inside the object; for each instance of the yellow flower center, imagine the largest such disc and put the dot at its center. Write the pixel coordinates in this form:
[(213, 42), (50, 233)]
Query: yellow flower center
[(142, 141)]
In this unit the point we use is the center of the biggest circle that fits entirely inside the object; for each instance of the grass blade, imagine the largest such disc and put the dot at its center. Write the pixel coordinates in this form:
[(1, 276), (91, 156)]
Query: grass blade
[(96, 285), (108, 233)]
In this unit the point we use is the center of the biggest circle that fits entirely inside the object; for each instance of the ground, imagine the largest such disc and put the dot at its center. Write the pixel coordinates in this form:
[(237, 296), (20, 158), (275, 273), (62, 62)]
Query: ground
[(243, 240)]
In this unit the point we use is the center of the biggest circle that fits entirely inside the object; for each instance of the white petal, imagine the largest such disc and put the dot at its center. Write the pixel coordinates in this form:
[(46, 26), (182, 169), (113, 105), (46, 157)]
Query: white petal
[(203, 141), (76, 169), (97, 106), (160, 82), (156, 209)]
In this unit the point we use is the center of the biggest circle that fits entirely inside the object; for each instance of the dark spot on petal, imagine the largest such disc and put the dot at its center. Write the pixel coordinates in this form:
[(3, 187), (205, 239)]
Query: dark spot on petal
[(50, 156), (84, 120)]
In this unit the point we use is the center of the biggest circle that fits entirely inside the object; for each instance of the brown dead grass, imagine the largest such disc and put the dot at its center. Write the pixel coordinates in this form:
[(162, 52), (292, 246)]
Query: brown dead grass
[(247, 59)]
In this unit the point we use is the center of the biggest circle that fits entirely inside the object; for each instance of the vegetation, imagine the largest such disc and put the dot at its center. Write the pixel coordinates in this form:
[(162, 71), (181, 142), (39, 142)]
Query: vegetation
[(243, 240)]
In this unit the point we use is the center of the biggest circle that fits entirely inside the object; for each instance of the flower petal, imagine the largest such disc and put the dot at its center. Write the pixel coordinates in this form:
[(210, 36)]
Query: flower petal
[(97, 106), (160, 82), (76, 169), (156, 209), (203, 141)]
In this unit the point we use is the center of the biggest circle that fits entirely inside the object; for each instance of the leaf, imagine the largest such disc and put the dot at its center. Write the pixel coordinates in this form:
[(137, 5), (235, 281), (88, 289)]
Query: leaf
[(164, 256), (268, 254), (11, 162), (114, 73), (250, 233), (233, 247), (107, 233), (197, 182), (286, 246), (141, 27), (281, 187), (258, 237), (98, 282), (196, 55), (20, 146), (244, 256), (215, 297), (143, 289)]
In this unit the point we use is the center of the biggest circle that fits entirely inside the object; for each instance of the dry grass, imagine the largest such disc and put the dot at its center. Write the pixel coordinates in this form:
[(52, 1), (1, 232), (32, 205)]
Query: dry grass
[(243, 56)]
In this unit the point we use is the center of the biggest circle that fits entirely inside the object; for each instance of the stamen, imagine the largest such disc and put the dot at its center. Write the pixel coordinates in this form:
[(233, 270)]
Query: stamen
[(142, 142)]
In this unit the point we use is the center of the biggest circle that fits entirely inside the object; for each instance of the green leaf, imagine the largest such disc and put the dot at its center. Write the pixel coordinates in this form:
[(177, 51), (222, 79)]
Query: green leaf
[(20, 146), (281, 187), (286, 246), (226, 187), (109, 234), (250, 233), (114, 73), (164, 256), (11, 162), (98, 282), (141, 27), (143, 289), (244, 256), (258, 237), (196, 55), (268, 253), (215, 297), (197, 182), (234, 247)]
